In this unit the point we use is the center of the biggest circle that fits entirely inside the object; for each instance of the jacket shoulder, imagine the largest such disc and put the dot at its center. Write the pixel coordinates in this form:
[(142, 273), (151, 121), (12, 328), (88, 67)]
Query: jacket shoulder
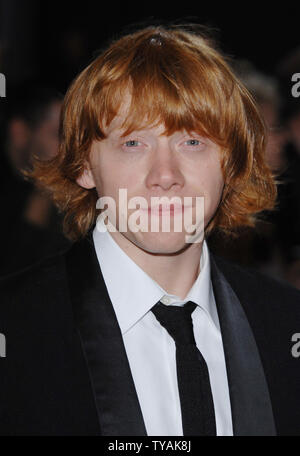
[(258, 287), (32, 272), (35, 286)]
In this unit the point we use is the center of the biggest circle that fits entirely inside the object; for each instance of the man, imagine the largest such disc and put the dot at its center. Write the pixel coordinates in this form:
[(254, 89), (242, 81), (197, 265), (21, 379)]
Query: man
[(143, 331)]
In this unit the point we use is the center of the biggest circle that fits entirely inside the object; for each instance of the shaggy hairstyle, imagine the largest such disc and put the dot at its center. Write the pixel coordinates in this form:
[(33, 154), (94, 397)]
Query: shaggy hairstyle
[(184, 82)]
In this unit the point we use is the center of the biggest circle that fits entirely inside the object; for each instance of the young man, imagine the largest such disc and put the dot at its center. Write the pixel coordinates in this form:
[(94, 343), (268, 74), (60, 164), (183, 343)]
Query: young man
[(144, 331)]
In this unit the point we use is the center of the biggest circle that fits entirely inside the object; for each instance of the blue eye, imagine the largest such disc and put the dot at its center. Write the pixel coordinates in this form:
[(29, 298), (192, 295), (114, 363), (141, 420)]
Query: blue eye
[(193, 142), (131, 143)]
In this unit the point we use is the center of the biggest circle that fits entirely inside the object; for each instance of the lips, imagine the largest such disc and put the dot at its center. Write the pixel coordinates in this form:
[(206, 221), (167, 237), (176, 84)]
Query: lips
[(162, 209)]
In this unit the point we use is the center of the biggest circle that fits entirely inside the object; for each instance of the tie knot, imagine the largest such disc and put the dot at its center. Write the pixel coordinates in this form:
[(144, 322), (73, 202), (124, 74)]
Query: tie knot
[(177, 320)]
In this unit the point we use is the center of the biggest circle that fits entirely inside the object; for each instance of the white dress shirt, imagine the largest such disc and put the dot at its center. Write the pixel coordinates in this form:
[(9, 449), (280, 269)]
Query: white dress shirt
[(150, 349)]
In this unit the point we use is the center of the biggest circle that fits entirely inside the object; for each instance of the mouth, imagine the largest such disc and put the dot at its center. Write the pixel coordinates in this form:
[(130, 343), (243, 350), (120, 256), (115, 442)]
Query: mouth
[(166, 209)]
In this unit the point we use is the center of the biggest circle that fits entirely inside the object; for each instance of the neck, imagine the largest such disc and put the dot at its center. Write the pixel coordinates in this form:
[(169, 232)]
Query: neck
[(175, 273)]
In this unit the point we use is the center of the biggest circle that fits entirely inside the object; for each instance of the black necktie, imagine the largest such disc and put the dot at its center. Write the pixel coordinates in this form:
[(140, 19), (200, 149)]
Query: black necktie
[(197, 407)]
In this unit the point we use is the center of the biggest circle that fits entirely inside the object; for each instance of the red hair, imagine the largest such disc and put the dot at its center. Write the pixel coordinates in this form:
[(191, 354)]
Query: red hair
[(184, 83)]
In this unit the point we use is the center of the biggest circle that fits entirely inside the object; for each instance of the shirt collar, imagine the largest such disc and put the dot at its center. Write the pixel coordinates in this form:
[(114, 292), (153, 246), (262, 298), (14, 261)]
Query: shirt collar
[(133, 292)]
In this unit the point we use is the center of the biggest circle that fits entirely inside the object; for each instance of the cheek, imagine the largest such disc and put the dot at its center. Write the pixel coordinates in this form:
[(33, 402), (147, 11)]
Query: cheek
[(112, 174), (212, 184), (110, 177), (211, 174)]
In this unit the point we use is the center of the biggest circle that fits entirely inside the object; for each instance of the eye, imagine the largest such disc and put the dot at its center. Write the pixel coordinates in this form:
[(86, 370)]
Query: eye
[(193, 142), (132, 143)]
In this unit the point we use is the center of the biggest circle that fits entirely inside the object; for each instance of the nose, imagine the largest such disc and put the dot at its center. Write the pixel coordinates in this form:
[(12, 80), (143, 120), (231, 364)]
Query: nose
[(164, 168)]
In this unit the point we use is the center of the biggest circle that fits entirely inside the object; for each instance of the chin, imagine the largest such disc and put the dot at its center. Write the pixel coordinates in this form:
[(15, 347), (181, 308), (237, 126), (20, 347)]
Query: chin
[(160, 243)]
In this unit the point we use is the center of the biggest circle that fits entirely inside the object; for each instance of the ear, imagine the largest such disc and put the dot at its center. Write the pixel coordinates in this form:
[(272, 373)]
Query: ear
[(86, 179)]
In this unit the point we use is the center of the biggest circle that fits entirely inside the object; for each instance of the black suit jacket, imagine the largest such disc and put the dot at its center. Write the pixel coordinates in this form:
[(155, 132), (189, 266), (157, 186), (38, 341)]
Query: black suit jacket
[(66, 371)]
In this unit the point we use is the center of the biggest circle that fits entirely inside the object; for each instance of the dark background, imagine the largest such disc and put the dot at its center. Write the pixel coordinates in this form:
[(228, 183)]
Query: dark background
[(52, 41)]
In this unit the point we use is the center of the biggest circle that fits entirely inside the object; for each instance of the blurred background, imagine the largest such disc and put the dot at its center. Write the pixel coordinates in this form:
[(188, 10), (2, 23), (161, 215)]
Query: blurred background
[(44, 45)]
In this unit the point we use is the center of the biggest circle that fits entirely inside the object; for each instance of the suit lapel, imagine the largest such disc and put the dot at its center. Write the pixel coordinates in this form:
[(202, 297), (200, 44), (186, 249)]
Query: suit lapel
[(249, 395), (114, 391), (115, 396)]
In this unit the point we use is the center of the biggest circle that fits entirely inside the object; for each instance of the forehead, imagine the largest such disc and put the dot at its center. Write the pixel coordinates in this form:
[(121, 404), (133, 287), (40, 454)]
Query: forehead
[(119, 123)]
